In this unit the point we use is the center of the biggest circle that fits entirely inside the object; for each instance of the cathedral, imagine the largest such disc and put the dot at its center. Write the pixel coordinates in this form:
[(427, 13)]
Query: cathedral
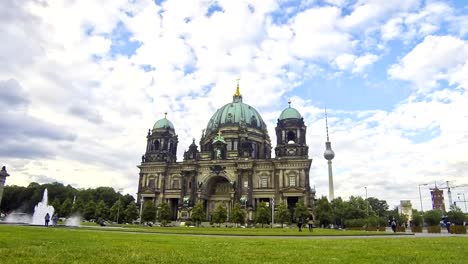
[(232, 164)]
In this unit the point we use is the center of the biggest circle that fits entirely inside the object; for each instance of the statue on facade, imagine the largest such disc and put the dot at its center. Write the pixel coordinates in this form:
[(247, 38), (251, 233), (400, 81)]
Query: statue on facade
[(200, 186), (186, 201)]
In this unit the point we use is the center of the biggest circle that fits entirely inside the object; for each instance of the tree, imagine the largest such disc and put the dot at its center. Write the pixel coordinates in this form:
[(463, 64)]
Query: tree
[(456, 216), (338, 214), (417, 218), (301, 210), (131, 212), (56, 204), (66, 208), (324, 211), (102, 211), (164, 214), (282, 215), (149, 212), (237, 214), (198, 214), (78, 207), (89, 211), (262, 216), (116, 211), (220, 215), (377, 206), (433, 217), (355, 208), (401, 219)]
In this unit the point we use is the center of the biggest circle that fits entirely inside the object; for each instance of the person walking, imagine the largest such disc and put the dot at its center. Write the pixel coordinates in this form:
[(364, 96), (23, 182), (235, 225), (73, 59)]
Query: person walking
[(311, 223), (394, 225), (300, 222), (47, 219), (54, 220)]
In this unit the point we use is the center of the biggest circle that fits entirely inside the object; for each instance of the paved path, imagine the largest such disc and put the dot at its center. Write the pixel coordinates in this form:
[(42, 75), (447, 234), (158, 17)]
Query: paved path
[(392, 236), (402, 235)]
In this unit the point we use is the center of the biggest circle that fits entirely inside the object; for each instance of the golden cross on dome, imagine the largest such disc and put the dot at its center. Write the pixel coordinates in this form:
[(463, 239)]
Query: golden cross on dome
[(237, 89)]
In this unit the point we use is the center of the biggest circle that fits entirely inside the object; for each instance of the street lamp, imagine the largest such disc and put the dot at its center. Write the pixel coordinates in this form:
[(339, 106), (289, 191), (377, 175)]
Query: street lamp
[(420, 197), (272, 204), (3, 175), (118, 207), (464, 200), (141, 207), (367, 203)]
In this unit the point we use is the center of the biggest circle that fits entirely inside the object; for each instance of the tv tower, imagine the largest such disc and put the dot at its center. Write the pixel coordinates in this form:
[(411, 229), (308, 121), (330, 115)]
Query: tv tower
[(329, 155)]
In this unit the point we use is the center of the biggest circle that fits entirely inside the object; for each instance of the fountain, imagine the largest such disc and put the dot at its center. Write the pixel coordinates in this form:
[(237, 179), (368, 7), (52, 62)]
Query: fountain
[(41, 209)]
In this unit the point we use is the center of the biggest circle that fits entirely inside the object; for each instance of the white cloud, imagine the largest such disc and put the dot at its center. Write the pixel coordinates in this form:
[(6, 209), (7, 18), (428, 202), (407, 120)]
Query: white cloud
[(317, 35), (355, 64), (436, 58)]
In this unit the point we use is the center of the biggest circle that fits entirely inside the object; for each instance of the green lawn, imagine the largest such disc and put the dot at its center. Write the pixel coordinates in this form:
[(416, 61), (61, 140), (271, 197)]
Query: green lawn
[(20, 244)]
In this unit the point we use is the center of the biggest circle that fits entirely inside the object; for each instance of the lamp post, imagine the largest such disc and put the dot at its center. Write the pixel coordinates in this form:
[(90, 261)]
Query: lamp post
[(3, 175), (272, 211), (118, 207), (420, 197), (367, 203), (464, 200), (141, 207)]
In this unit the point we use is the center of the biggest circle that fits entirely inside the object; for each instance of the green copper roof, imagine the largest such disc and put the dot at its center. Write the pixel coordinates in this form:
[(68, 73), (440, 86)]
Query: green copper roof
[(290, 113), (236, 113), (163, 123)]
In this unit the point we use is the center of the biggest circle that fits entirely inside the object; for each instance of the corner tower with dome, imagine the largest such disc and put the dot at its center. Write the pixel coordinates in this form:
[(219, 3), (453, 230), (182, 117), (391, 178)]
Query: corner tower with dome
[(232, 164)]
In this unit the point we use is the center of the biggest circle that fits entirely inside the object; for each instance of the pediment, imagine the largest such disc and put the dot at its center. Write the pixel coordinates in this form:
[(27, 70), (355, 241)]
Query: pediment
[(293, 189)]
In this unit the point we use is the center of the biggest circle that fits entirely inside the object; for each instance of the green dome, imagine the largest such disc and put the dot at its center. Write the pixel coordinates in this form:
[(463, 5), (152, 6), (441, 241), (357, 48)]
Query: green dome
[(163, 123), (236, 113), (290, 113)]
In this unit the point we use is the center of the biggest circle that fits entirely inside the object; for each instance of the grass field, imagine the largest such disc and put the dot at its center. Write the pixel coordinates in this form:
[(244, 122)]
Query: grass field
[(20, 244)]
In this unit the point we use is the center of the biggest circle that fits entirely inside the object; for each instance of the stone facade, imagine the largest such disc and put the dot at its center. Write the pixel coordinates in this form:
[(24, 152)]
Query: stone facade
[(234, 164)]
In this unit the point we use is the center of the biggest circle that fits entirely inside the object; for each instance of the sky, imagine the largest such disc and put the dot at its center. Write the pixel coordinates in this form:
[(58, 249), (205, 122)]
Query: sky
[(81, 82)]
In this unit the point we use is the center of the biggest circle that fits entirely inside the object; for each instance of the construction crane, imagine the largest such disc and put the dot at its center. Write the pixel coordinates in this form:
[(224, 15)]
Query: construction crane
[(448, 187)]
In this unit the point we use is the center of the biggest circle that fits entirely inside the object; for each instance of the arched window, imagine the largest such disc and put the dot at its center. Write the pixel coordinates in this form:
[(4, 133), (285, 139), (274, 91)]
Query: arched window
[(156, 145), (291, 137), (175, 184)]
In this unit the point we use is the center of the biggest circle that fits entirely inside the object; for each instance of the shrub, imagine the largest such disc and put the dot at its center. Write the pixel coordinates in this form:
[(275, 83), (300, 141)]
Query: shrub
[(416, 229), (372, 221), (355, 222), (458, 229), (433, 217), (433, 229), (401, 229), (456, 216), (198, 214), (417, 219), (383, 222)]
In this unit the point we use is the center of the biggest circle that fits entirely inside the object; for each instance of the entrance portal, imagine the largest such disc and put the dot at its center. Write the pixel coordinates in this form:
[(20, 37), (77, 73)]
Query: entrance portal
[(219, 194), (292, 201)]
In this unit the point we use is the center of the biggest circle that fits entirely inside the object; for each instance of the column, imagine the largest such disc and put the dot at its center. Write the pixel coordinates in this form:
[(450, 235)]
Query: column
[(281, 178), (250, 189)]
